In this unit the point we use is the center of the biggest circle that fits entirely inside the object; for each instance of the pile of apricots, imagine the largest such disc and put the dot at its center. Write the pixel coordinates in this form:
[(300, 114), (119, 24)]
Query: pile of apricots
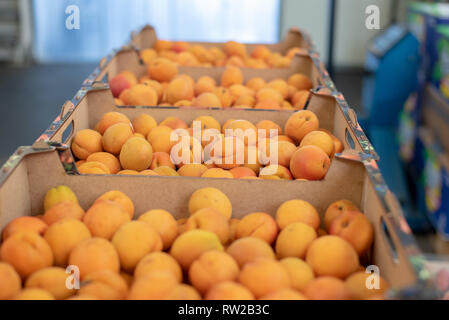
[(111, 252), (232, 53), (164, 87), (117, 145)]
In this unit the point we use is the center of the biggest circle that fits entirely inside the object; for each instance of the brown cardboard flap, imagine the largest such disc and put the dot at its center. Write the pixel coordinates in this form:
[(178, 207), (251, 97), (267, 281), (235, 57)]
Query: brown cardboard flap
[(147, 37), (24, 190)]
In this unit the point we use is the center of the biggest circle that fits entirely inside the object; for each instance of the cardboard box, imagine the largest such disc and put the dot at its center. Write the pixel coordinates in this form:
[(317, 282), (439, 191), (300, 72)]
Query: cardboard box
[(147, 37), (32, 171), (127, 58), (90, 103)]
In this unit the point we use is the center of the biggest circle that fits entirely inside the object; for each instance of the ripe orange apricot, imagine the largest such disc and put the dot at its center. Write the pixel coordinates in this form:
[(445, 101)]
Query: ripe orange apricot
[(179, 89), (27, 252), (300, 81), (212, 267), (160, 140), (158, 262), (109, 119), (144, 123), (61, 211), (250, 249), (299, 271), (155, 286), (136, 154), (301, 123), (109, 160), (162, 69), (211, 220), (256, 83), (224, 96), (210, 198), (258, 224), (357, 283), (34, 294), (119, 198), (63, 236), (297, 211), (104, 285), (294, 240), (337, 208), (206, 100), (24, 224), (204, 84), (327, 288), (85, 143), (142, 95), (10, 283), (104, 218), (133, 241), (94, 254), (115, 137), (233, 48), (52, 280), (163, 222)]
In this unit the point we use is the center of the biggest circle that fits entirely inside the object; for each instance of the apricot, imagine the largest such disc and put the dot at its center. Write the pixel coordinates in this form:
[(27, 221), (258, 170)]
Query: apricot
[(210, 268), (183, 103), (327, 288), (332, 256), (94, 254), (299, 271), (299, 99), (276, 172), (85, 143), (136, 154), (24, 224), (300, 124), (104, 218), (284, 294), (252, 159), (204, 84), (128, 173), (261, 52), (264, 276), (34, 294), (233, 223), (211, 220), (63, 236), (285, 138), (210, 198), (256, 83), (365, 286), (183, 292), (27, 252), (300, 81), (268, 105), (148, 173), (258, 224), (337, 208), (158, 262), (294, 240), (174, 123), (270, 128), (166, 171), (104, 285), (233, 48), (280, 85), (52, 280), (107, 159), (93, 167), (143, 124), (154, 286), (355, 228), (115, 137), (142, 95), (321, 140), (10, 282), (61, 211), (147, 55), (244, 130), (224, 96), (82, 297), (119, 198), (109, 119), (250, 249), (161, 159), (160, 140), (229, 290), (119, 83), (217, 173), (238, 90), (187, 59), (309, 162), (192, 170), (242, 172), (338, 145), (192, 244), (162, 69), (79, 163), (133, 241), (163, 222), (269, 94), (207, 122), (179, 89), (297, 211), (285, 151), (207, 100), (245, 101)]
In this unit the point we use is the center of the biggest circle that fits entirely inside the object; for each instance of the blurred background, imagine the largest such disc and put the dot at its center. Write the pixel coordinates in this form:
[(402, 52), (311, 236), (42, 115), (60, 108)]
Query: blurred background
[(383, 72)]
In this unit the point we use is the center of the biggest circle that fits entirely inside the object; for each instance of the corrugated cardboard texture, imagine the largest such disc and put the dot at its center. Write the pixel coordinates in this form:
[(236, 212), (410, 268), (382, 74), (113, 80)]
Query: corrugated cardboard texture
[(24, 191)]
